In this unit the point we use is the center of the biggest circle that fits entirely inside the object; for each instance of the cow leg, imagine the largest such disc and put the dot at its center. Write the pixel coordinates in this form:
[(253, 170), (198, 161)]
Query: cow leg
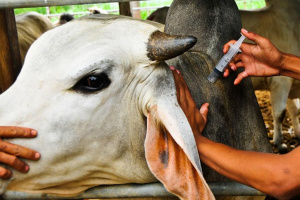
[(279, 96), (293, 109)]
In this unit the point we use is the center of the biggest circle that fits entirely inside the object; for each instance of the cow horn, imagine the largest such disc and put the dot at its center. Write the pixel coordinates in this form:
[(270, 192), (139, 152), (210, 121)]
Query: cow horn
[(162, 46)]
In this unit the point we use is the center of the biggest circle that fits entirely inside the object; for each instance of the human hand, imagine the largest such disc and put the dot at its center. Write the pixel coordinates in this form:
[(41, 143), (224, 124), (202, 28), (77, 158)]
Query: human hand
[(260, 59), (10, 153), (196, 119)]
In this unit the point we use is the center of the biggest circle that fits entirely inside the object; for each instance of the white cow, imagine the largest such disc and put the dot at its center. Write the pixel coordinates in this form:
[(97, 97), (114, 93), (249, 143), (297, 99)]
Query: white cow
[(88, 94), (280, 23)]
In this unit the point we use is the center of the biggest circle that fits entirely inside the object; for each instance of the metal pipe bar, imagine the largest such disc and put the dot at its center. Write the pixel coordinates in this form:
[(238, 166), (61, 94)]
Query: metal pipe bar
[(109, 11), (44, 3), (138, 190)]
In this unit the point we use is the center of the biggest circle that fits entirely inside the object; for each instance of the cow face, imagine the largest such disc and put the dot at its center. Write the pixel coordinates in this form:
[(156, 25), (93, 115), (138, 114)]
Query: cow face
[(87, 87)]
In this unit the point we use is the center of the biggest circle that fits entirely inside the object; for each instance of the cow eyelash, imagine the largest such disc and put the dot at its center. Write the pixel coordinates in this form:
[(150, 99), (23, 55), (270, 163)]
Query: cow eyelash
[(92, 83)]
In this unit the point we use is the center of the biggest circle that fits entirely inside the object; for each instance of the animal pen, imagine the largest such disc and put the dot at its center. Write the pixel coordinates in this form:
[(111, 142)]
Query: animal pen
[(10, 66)]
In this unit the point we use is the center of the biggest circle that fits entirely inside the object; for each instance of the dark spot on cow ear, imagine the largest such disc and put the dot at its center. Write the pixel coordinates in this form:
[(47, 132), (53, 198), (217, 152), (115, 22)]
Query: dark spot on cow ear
[(164, 151), (164, 158), (162, 46)]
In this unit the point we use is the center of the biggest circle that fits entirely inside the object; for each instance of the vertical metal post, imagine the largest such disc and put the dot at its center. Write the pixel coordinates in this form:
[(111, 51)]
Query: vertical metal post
[(10, 60)]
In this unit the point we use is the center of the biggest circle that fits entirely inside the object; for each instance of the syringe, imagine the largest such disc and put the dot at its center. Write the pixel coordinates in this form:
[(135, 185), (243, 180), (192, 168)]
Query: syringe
[(222, 64)]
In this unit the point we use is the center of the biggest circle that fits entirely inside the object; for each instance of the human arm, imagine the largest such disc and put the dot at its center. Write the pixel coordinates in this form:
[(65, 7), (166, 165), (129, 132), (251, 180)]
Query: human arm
[(273, 174), (10, 153), (276, 175), (262, 59)]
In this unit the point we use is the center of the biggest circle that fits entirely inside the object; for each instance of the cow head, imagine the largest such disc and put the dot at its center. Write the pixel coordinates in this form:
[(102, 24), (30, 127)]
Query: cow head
[(93, 88)]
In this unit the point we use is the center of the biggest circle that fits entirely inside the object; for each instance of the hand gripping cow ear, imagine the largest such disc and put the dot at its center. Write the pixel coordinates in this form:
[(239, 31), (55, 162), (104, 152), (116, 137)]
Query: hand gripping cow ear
[(162, 46)]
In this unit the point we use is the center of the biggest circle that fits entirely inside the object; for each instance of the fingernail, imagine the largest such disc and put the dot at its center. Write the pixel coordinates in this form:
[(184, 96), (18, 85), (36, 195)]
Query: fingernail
[(37, 155), (245, 30), (26, 168), (172, 68), (33, 132), (178, 72)]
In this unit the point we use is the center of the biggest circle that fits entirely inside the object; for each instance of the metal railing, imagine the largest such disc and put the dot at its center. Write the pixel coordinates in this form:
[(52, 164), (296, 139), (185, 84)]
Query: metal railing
[(45, 3), (109, 11), (138, 191)]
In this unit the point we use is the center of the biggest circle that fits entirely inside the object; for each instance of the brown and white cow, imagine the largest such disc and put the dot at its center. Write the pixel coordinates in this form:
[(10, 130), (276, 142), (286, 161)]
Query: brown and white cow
[(30, 26)]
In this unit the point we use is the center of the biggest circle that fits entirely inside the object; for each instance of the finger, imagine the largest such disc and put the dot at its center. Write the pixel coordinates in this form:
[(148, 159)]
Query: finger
[(240, 77), (239, 64), (14, 131), (253, 37), (14, 162), (233, 66), (226, 47), (182, 81), (201, 117), (5, 173), (176, 79), (181, 89), (237, 57), (185, 88), (17, 150), (204, 111), (183, 95), (226, 72)]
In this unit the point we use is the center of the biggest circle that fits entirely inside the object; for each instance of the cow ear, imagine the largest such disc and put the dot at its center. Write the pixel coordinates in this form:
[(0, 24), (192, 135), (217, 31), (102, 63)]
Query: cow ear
[(172, 155)]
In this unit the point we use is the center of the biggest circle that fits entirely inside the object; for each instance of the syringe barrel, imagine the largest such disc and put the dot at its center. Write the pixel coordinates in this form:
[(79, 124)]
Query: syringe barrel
[(222, 64)]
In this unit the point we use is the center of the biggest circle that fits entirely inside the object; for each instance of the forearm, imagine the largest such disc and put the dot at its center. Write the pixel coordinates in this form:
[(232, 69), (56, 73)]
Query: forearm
[(290, 66), (262, 171)]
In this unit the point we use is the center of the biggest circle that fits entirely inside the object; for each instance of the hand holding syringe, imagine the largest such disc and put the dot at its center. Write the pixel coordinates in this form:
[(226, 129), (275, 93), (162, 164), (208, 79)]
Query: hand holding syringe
[(222, 64)]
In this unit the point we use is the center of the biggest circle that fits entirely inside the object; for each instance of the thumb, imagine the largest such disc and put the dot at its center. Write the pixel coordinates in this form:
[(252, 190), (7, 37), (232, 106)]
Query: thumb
[(240, 77), (204, 111)]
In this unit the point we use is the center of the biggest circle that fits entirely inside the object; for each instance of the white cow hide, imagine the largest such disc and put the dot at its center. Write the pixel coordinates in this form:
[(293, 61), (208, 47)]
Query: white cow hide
[(87, 87)]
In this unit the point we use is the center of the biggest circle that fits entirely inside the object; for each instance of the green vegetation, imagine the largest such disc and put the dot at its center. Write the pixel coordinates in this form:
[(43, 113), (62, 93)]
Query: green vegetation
[(242, 4), (146, 13), (41, 10), (69, 9), (250, 4)]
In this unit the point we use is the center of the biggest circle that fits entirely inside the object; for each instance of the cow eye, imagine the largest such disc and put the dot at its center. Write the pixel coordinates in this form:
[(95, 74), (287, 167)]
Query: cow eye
[(93, 83)]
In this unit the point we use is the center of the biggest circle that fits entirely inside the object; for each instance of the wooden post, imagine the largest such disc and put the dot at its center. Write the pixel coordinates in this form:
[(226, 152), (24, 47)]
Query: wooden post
[(124, 8), (10, 60), (135, 13)]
